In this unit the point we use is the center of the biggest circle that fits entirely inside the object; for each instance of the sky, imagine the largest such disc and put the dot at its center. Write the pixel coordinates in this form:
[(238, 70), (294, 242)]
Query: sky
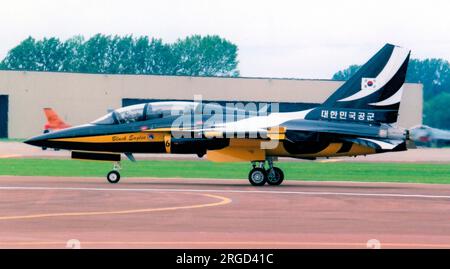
[(279, 38)]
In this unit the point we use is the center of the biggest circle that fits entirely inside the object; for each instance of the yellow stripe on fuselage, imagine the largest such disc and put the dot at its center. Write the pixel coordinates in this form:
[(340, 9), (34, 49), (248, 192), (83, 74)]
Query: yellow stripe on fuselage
[(116, 138), (357, 149), (329, 151)]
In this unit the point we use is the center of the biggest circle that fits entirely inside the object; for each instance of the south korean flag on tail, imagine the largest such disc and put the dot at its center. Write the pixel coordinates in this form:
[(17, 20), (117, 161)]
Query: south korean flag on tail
[(368, 83)]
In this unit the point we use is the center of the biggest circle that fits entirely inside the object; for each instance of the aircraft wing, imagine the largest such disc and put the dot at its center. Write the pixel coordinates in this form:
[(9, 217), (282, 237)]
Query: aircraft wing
[(299, 130), (378, 144), (440, 134), (364, 135)]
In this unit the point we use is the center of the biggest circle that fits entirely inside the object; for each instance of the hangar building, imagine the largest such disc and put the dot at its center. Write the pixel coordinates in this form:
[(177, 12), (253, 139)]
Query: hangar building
[(81, 98)]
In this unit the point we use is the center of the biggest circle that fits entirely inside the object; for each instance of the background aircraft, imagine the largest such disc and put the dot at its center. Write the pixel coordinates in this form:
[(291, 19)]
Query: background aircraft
[(54, 122), (357, 119), (424, 135)]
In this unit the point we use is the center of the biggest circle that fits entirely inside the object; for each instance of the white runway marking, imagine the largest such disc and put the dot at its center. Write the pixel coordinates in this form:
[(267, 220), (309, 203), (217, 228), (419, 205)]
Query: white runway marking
[(397, 195)]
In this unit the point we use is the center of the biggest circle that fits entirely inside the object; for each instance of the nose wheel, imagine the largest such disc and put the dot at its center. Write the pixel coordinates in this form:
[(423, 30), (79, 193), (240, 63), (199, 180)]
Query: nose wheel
[(114, 176)]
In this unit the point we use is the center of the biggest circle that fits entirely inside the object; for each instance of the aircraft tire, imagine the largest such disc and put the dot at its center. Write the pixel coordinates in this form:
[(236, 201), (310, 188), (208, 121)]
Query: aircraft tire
[(113, 177), (278, 179), (257, 177)]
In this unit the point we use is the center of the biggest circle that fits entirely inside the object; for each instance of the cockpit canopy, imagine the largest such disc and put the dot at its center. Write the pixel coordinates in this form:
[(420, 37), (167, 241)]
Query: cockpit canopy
[(156, 110), (148, 111)]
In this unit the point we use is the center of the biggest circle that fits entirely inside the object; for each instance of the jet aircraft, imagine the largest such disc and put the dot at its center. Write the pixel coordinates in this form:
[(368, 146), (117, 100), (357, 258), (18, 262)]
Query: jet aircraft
[(424, 135), (357, 119), (54, 122)]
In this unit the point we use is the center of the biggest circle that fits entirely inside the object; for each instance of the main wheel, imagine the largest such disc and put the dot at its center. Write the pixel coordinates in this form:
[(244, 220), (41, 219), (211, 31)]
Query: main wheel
[(257, 177), (113, 177), (275, 177)]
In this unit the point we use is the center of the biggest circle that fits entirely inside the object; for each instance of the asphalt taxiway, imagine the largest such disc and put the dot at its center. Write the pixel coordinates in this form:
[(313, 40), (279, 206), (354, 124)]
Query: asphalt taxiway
[(60, 212)]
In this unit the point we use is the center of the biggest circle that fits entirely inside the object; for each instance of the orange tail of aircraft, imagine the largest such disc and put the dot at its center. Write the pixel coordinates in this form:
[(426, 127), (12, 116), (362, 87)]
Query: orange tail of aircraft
[(53, 121)]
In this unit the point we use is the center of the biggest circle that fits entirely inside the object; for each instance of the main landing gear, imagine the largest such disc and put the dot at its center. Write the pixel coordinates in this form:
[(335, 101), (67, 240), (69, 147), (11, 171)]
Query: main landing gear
[(114, 176), (259, 176)]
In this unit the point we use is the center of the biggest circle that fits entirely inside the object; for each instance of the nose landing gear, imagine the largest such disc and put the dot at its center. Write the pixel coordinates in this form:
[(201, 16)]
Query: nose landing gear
[(114, 175)]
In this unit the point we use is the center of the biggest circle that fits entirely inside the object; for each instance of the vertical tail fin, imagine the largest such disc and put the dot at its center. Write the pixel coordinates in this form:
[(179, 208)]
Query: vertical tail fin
[(373, 94), (53, 120)]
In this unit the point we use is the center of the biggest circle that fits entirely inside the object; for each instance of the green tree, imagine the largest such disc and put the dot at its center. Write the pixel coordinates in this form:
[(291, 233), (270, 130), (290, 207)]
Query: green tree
[(346, 73), (73, 54), (151, 56), (434, 74), (120, 56), (437, 111), (205, 56), (97, 54), (22, 57), (194, 56), (49, 54)]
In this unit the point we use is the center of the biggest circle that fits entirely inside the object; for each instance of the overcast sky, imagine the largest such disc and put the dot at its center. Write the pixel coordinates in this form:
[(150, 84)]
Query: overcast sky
[(275, 38)]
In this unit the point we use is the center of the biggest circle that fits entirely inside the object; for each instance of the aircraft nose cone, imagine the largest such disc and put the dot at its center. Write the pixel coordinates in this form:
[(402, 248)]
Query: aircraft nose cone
[(38, 141), (52, 139), (33, 141)]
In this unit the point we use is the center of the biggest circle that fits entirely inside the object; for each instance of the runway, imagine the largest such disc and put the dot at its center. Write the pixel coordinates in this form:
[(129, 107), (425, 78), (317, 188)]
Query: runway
[(60, 212)]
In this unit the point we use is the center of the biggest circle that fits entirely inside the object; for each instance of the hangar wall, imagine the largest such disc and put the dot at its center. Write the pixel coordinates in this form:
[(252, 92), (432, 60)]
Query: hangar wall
[(81, 98)]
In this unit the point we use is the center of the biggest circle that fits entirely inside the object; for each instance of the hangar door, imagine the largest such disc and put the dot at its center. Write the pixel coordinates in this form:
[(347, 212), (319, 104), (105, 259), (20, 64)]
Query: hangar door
[(3, 116)]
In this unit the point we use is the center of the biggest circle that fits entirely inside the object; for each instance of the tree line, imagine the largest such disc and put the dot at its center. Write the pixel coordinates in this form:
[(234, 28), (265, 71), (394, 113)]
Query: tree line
[(434, 74), (105, 54)]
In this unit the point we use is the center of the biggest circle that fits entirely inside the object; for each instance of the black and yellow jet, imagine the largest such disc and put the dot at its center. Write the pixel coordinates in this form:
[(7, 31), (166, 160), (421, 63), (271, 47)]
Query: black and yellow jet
[(358, 119)]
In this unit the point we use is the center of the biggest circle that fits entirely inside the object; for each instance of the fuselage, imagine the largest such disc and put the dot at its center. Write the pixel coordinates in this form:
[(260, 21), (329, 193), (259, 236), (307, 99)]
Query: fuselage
[(153, 131)]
